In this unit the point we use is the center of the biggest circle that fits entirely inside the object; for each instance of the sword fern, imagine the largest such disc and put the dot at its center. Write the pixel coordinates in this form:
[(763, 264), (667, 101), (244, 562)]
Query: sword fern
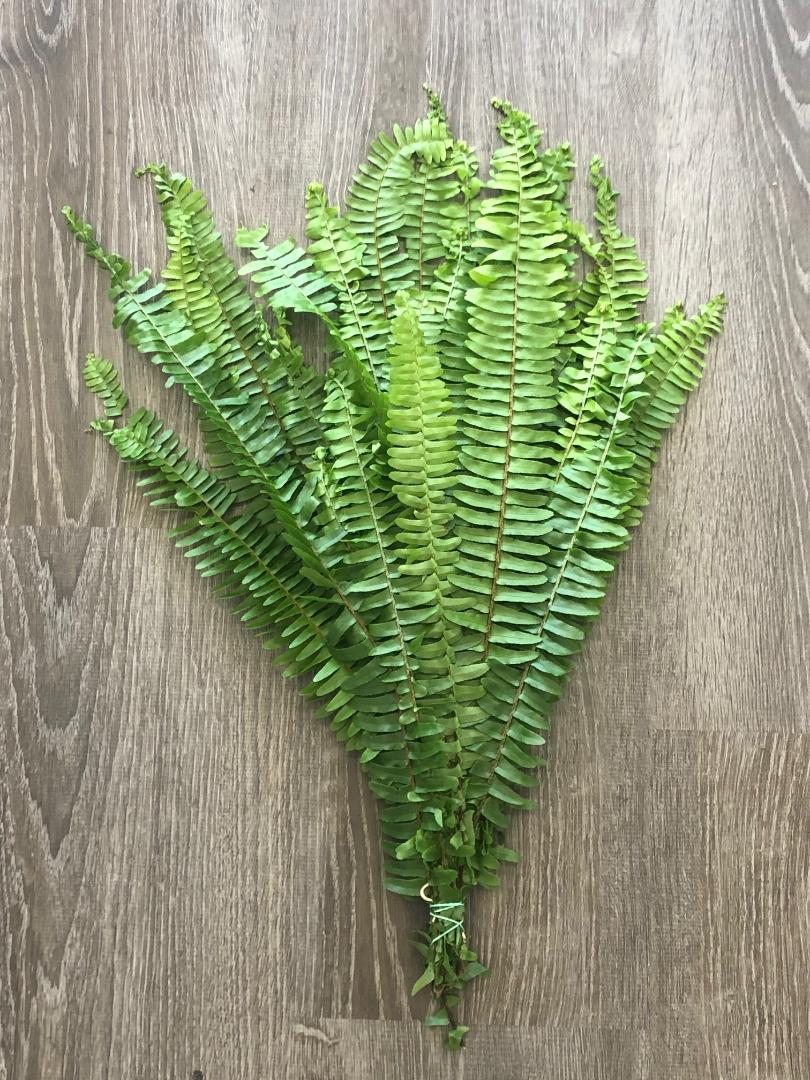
[(426, 532)]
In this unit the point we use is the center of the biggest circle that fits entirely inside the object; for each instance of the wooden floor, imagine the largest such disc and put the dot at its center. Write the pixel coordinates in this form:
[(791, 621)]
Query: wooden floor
[(189, 871)]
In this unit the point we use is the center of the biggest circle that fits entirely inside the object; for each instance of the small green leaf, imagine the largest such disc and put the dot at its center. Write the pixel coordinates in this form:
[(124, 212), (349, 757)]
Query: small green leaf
[(473, 970), (455, 1036), (425, 979), (437, 1019)]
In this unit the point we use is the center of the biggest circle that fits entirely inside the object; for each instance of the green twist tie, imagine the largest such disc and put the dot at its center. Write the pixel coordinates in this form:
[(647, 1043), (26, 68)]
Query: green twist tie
[(441, 913), (438, 913)]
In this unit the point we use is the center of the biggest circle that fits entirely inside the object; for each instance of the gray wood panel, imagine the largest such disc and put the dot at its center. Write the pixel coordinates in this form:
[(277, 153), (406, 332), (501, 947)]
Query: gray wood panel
[(189, 868)]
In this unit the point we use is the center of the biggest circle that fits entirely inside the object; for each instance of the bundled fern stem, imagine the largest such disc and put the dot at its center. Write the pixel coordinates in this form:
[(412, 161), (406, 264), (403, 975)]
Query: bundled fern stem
[(426, 532)]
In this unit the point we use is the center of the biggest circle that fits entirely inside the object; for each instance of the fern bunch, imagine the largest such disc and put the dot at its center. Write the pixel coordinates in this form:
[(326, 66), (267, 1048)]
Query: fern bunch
[(425, 533)]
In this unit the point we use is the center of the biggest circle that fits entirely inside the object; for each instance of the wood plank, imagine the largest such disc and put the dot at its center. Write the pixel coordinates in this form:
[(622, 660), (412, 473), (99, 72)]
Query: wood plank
[(189, 865)]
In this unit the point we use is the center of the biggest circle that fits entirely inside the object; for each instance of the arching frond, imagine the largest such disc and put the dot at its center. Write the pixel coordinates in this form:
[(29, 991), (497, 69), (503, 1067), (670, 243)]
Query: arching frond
[(246, 551), (517, 314), (585, 528), (676, 366)]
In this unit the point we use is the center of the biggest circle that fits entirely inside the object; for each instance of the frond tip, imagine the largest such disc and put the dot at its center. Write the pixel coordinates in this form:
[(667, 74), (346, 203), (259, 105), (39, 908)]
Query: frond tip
[(118, 267), (435, 106), (101, 379), (425, 533)]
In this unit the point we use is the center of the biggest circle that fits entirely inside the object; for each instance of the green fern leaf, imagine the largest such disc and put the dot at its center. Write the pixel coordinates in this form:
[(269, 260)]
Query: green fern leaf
[(240, 443), (676, 367), (250, 554), (588, 501)]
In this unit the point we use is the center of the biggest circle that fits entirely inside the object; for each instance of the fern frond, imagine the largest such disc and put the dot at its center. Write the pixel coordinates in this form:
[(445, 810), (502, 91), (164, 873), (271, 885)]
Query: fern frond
[(405, 202), (362, 501), (231, 420), (377, 209), (676, 366), (438, 231), (517, 311), (436, 209), (445, 317), (117, 267), (581, 568), (367, 509), (422, 462), (619, 275), (252, 558)]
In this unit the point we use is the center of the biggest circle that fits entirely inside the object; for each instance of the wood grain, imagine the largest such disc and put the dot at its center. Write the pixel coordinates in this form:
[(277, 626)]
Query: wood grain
[(189, 869)]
